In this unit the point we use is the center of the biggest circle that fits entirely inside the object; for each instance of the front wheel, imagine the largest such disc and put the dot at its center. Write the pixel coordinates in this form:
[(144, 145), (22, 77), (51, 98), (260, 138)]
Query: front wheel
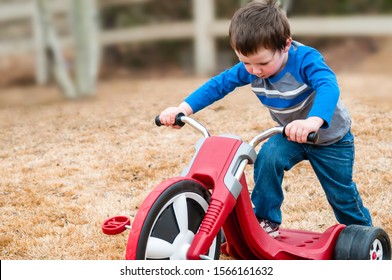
[(357, 242), (172, 222)]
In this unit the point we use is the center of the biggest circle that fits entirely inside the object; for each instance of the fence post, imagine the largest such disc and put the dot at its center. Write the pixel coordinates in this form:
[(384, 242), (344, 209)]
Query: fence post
[(205, 52), (41, 60), (54, 47), (85, 33)]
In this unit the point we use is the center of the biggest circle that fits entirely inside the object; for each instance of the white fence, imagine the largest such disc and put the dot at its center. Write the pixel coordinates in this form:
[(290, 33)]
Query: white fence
[(203, 29)]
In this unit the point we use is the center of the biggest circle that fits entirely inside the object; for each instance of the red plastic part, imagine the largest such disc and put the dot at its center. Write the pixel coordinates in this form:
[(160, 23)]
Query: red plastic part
[(222, 201), (134, 235), (115, 225), (245, 238)]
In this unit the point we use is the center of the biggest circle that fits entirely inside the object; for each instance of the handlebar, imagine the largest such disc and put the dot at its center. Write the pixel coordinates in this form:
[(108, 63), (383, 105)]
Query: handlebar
[(181, 120), (312, 136), (177, 121)]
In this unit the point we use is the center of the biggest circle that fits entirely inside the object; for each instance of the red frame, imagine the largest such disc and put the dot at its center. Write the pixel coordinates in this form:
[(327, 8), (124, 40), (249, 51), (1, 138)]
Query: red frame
[(245, 238)]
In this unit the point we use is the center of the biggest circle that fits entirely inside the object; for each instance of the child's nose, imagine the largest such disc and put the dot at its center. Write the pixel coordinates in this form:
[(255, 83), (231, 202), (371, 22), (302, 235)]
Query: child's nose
[(256, 70)]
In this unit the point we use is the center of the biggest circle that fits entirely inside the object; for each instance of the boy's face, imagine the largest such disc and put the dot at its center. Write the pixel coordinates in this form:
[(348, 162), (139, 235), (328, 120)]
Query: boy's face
[(265, 62)]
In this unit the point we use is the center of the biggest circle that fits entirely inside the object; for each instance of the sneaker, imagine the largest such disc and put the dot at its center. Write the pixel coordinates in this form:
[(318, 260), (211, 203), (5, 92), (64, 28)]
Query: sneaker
[(270, 227)]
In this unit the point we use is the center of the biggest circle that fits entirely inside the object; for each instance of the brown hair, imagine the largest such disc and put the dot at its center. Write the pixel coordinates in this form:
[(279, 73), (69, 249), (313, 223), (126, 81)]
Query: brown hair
[(259, 25)]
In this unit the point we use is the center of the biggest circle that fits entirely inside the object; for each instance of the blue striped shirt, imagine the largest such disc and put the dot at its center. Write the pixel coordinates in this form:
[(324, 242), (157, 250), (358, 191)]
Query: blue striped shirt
[(305, 87)]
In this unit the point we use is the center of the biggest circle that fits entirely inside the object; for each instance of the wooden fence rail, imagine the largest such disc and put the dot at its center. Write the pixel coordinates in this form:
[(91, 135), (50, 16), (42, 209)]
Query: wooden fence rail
[(203, 29)]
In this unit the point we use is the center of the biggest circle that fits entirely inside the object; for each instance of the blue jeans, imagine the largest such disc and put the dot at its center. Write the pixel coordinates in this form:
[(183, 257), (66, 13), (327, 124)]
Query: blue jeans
[(333, 166)]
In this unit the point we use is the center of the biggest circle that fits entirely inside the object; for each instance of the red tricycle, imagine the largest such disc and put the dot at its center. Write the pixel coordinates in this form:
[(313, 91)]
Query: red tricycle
[(207, 210)]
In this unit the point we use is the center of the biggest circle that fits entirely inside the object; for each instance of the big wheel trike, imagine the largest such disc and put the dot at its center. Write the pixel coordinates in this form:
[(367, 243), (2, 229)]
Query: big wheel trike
[(185, 216)]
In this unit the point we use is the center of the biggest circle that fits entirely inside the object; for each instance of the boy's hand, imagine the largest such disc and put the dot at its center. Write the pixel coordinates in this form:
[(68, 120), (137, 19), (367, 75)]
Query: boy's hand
[(168, 116), (299, 130)]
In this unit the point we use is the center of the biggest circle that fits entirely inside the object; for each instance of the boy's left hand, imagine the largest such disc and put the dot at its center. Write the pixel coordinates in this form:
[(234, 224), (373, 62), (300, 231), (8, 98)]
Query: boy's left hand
[(299, 130)]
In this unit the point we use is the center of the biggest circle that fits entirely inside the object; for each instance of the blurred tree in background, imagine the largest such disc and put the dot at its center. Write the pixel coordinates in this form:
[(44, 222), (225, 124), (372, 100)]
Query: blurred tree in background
[(161, 56), (340, 7), (149, 55), (177, 56)]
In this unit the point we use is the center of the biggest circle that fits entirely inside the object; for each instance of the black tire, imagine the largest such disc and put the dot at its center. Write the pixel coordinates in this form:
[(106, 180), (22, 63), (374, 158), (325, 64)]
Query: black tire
[(173, 220), (362, 243)]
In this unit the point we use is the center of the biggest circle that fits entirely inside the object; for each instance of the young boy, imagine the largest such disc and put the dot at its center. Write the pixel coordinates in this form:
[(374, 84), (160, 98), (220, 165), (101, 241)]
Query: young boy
[(300, 91)]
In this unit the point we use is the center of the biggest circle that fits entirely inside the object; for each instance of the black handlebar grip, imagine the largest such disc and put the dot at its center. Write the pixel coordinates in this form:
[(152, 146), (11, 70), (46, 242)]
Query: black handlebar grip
[(177, 121), (312, 137), (157, 121)]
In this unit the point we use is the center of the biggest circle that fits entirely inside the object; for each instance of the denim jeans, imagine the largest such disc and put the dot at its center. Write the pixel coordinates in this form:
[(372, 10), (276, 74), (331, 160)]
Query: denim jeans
[(333, 166)]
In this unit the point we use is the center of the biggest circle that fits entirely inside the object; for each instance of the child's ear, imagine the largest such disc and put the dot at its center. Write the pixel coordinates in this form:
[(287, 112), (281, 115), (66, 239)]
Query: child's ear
[(288, 44)]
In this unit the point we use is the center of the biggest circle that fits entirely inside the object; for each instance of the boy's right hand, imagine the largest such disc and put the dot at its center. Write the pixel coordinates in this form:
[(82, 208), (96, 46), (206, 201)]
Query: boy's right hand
[(168, 116)]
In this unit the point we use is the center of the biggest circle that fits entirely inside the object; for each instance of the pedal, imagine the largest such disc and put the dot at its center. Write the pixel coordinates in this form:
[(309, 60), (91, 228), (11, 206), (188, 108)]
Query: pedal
[(116, 225)]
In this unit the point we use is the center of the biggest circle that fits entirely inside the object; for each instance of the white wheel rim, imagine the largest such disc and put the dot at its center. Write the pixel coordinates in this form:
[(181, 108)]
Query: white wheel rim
[(376, 252), (158, 248)]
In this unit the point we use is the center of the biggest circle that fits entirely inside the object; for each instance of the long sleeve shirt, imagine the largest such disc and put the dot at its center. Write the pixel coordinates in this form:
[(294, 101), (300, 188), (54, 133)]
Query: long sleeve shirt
[(305, 87)]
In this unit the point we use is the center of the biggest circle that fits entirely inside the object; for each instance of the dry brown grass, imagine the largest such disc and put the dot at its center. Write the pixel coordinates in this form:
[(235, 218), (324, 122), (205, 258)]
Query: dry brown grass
[(68, 165)]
